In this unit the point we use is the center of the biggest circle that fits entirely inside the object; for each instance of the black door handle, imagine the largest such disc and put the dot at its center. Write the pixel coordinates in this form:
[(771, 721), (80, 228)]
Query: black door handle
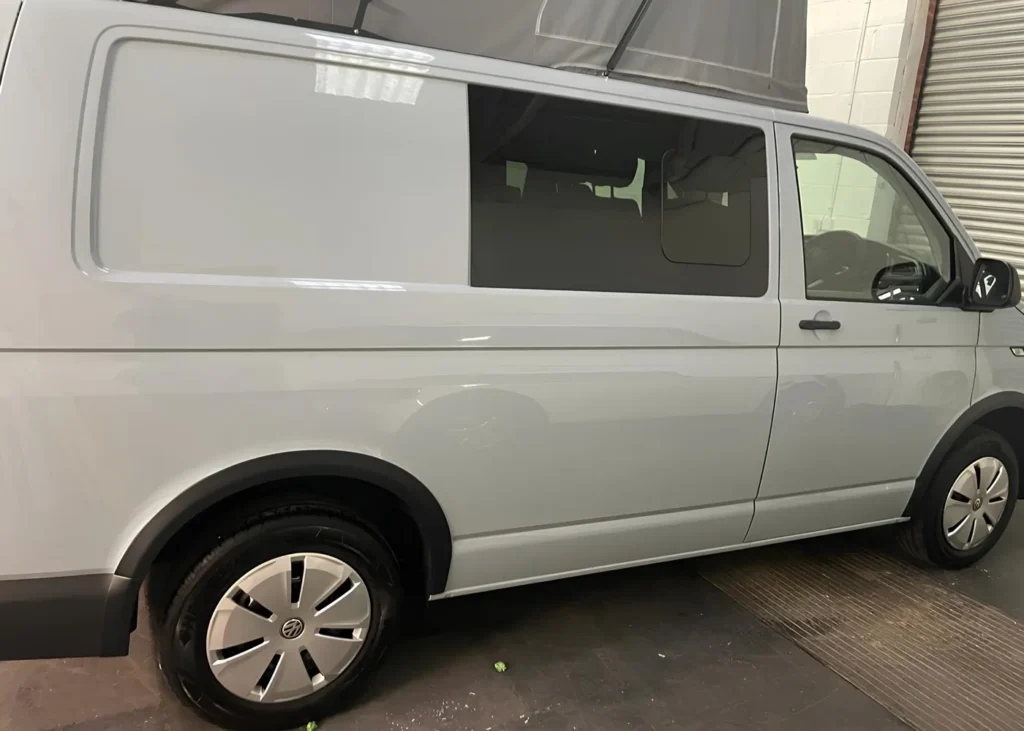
[(819, 324)]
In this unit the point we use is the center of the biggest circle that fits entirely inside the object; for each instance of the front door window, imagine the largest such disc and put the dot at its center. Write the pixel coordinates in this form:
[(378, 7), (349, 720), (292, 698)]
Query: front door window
[(868, 234)]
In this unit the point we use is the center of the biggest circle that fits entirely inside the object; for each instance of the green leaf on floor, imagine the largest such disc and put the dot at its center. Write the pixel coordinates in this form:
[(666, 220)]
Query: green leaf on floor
[(311, 726), (500, 666)]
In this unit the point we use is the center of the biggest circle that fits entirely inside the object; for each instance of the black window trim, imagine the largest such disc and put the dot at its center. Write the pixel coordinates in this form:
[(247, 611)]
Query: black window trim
[(958, 254)]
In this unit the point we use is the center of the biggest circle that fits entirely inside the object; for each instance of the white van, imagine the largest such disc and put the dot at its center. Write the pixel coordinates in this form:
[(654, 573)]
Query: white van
[(307, 329)]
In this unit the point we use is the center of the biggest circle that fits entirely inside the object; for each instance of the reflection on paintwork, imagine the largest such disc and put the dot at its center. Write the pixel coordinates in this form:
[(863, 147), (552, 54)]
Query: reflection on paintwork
[(361, 46), (525, 439), (343, 284), (862, 416), (393, 79), (368, 84)]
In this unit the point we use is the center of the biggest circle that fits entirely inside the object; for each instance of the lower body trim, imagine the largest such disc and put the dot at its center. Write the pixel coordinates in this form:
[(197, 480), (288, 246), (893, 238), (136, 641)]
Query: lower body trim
[(67, 616)]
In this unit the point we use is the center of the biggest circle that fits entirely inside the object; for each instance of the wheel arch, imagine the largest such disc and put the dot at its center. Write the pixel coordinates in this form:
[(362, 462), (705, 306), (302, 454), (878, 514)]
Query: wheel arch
[(1002, 412), (413, 496)]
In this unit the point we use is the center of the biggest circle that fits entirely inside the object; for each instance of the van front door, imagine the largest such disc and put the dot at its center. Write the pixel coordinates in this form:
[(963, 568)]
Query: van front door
[(875, 360)]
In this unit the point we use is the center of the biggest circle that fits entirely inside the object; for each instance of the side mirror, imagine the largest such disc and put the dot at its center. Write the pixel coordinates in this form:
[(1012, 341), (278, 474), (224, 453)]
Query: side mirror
[(994, 284), (900, 282)]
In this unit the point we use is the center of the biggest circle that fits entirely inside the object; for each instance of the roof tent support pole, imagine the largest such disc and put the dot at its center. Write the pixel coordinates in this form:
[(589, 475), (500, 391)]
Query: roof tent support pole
[(623, 43), (360, 15)]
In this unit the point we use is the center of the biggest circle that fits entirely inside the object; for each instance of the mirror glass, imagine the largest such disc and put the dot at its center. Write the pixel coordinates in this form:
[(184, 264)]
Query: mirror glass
[(993, 283)]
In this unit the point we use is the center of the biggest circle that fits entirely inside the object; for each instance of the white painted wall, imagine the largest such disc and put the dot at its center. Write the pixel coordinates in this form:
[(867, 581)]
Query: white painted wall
[(862, 60), (859, 55)]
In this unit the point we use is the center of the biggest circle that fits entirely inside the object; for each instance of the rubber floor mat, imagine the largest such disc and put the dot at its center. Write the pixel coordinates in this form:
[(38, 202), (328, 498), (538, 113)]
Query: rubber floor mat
[(936, 659)]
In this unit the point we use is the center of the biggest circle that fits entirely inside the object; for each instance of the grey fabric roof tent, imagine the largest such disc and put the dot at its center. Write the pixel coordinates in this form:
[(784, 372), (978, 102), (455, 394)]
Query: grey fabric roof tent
[(747, 49)]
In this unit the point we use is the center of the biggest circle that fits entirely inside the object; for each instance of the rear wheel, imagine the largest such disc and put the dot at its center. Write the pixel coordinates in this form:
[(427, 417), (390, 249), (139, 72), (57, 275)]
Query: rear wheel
[(968, 504), (281, 623)]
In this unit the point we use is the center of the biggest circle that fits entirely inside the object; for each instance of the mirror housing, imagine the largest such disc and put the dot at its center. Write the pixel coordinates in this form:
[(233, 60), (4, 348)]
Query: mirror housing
[(994, 284)]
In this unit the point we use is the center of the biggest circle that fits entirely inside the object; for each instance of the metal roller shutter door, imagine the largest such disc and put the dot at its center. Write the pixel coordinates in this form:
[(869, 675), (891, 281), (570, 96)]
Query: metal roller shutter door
[(970, 125)]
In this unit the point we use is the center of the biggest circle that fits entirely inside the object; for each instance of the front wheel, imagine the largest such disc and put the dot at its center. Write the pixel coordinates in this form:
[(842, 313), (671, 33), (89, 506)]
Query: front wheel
[(281, 623), (968, 504)]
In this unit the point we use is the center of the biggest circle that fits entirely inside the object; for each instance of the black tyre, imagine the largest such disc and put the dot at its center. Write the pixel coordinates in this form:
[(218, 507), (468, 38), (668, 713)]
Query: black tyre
[(968, 504), (280, 623)]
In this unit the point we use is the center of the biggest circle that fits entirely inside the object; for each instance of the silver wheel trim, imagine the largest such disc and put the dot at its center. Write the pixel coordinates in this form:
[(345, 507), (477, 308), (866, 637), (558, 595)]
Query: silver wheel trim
[(975, 504), (264, 647)]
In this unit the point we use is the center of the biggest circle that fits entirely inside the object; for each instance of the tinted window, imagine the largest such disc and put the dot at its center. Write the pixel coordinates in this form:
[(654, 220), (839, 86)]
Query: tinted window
[(574, 195), (868, 233)]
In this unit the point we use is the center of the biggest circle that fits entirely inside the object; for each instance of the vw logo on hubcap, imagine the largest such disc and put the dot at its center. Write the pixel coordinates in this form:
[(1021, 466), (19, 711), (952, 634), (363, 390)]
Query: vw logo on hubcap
[(292, 628)]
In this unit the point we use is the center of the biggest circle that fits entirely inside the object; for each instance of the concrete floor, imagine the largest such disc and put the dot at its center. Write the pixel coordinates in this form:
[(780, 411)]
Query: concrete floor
[(652, 648), (998, 580)]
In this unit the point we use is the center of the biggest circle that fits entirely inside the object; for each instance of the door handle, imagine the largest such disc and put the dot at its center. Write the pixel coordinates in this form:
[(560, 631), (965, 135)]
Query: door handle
[(819, 324)]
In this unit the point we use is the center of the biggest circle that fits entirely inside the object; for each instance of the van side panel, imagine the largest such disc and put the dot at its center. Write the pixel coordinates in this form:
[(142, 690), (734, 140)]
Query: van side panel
[(361, 178), (195, 277), (999, 370), (126, 311)]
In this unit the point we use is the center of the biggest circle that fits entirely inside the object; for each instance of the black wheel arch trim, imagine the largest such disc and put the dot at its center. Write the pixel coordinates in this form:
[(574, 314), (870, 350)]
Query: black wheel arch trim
[(971, 416), (414, 496)]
